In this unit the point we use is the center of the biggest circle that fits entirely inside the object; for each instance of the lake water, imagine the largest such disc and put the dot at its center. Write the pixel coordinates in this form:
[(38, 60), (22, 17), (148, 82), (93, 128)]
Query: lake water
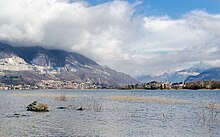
[(111, 113)]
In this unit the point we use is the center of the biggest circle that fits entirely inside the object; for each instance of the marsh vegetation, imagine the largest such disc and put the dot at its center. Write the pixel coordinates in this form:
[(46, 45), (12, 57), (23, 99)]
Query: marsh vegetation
[(112, 113)]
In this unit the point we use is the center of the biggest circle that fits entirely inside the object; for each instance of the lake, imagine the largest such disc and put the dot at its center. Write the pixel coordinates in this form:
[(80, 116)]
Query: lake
[(111, 113)]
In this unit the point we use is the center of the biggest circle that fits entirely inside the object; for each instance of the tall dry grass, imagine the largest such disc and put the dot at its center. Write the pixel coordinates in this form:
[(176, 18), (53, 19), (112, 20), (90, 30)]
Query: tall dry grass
[(212, 105), (62, 96), (160, 100)]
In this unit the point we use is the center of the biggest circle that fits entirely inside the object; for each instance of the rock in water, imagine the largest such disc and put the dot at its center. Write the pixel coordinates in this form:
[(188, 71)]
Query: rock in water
[(80, 109), (37, 106), (62, 108)]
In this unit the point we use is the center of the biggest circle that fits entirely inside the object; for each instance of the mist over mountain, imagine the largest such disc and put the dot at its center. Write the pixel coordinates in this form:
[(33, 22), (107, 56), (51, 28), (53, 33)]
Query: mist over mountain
[(113, 33), (37, 63)]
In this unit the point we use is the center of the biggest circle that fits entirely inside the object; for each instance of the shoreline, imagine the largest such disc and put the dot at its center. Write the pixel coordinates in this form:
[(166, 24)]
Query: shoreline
[(106, 89)]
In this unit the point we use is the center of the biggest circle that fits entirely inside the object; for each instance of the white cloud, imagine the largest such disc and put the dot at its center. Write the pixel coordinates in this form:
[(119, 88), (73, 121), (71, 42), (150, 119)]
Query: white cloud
[(111, 34)]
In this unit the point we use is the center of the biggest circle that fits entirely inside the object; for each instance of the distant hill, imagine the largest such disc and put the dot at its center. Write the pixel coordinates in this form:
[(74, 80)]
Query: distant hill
[(209, 74), (37, 63)]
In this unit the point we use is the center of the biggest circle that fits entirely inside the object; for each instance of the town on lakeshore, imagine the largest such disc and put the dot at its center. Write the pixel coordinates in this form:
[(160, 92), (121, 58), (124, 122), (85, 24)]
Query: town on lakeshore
[(154, 85)]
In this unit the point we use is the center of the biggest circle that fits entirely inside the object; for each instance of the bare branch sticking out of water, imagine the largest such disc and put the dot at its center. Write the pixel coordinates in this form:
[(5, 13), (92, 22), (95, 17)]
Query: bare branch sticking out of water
[(210, 113), (160, 100), (62, 97)]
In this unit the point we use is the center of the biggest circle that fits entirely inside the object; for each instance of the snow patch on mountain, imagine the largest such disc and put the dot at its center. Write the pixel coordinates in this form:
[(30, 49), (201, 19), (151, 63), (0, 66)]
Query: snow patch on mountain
[(176, 74), (37, 63), (13, 63), (41, 60)]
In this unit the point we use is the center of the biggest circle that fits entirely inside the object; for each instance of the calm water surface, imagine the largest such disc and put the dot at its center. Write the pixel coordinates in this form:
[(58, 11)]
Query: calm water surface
[(106, 117)]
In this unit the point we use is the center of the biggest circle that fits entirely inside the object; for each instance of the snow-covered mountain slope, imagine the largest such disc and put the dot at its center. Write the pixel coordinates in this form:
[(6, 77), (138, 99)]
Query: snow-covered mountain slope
[(40, 64), (12, 62), (209, 74), (176, 76)]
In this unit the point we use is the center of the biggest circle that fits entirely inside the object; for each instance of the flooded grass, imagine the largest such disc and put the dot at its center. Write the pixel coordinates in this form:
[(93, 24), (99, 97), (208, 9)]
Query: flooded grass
[(62, 97), (212, 105), (57, 96), (210, 113), (160, 100), (111, 113)]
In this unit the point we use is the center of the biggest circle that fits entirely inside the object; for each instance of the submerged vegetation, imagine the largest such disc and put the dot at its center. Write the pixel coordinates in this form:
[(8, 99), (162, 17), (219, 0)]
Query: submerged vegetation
[(152, 111), (50, 95), (210, 113), (62, 97), (160, 100)]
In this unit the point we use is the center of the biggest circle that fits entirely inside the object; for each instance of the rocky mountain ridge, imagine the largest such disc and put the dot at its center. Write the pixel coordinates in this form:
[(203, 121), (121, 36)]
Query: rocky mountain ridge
[(212, 74), (37, 63), (178, 75)]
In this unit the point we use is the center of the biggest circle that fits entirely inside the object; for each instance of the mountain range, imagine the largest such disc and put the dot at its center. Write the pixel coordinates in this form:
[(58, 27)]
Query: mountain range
[(33, 64), (199, 72), (209, 74), (37, 63)]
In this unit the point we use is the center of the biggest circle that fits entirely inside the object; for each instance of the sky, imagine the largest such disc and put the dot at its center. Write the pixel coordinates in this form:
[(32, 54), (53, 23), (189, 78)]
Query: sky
[(136, 37), (172, 8)]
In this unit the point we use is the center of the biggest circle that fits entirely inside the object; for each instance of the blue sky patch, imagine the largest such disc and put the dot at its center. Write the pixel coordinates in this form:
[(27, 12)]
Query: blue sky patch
[(172, 8)]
